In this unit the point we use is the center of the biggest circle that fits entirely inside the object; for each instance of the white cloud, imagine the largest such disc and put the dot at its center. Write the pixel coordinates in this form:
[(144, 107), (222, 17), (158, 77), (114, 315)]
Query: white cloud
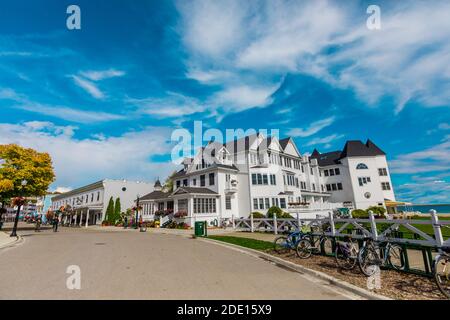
[(89, 87), (432, 159), (424, 190), (102, 74), (80, 161), (172, 105), (325, 140), (313, 128), (408, 59)]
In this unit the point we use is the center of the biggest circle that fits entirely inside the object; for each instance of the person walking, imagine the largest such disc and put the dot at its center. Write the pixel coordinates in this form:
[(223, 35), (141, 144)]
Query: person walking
[(125, 222), (55, 223), (38, 223)]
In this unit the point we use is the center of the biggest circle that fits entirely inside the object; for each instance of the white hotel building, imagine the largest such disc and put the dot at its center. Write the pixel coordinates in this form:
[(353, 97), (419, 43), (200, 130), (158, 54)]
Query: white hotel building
[(89, 203), (257, 172)]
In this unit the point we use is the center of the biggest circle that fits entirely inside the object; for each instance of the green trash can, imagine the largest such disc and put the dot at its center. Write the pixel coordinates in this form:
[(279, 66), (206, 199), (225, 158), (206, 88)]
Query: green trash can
[(200, 229)]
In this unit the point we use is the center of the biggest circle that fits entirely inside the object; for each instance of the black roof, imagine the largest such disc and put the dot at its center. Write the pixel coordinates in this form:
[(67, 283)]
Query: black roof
[(352, 148), (284, 142), (155, 195)]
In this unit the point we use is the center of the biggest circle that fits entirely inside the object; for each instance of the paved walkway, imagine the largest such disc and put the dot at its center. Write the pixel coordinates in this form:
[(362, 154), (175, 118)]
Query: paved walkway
[(135, 265), (5, 239)]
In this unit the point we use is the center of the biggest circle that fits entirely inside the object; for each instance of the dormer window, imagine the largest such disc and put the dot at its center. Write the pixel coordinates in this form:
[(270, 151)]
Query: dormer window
[(361, 166)]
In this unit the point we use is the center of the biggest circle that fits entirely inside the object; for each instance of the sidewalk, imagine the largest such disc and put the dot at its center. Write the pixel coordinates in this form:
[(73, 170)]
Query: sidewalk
[(183, 232), (6, 240)]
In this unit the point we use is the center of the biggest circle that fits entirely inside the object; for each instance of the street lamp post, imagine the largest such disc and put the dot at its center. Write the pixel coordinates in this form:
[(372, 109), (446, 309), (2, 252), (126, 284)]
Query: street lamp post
[(137, 212), (2, 208), (23, 183)]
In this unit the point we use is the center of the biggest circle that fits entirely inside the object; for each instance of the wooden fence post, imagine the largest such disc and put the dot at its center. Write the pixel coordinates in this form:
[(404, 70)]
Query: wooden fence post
[(232, 222), (437, 228), (275, 226), (373, 226), (333, 227), (252, 228)]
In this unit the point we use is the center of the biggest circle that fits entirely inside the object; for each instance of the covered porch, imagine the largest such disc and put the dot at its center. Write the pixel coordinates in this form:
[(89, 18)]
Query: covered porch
[(82, 217)]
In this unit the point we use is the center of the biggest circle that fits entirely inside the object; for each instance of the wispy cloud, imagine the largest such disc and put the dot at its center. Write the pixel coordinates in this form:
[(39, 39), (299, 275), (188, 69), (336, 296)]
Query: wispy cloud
[(313, 128), (326, 141), (102, 74), (89, 87)]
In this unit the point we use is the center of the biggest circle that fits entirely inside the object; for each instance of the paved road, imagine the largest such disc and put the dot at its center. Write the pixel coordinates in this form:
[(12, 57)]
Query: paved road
[(133, 265)]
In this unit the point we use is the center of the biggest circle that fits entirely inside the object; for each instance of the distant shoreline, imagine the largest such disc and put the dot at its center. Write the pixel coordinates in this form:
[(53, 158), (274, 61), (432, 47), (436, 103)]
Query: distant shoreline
[(428, 205)]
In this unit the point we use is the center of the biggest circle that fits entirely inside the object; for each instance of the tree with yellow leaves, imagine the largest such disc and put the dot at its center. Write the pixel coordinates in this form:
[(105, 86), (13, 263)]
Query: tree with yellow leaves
[(24, 172)]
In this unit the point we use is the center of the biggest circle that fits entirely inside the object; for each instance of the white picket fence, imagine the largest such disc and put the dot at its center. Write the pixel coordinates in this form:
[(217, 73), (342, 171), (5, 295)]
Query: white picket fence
[(339, 225)]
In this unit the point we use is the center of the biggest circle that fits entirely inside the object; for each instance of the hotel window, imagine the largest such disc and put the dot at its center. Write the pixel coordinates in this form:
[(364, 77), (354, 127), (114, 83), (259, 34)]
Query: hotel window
[(211, 179), (87, 198), (339, 186), (227, 177), (314, 187), (331, 172), (261, 203), (259, 175), (178, 183), (326, 173), (267, 202), (333, 186), (202, 180), (303, 169), (321, 187), (194, 182), (275, 202), (363, 180), (312, 171), (92, 197), (382, 172), (296, 182), (228, 203), (273, 179), (265, 181), (337, 171), (255, 204), (385, 186), (282, 203), (361, 166), (185, 182), (328, 187), (254, 180)]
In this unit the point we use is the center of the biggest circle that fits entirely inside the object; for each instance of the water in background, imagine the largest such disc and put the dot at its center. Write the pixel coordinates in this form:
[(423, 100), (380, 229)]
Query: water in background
[(425, 208)]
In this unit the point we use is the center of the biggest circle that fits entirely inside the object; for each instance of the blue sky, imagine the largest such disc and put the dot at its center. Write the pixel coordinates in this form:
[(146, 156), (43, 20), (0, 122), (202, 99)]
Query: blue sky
[(104, 100)]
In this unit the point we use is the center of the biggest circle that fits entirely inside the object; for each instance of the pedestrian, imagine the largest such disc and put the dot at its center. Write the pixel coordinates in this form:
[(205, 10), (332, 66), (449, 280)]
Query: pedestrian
[(55, 223), (125, 222), (38, 223)]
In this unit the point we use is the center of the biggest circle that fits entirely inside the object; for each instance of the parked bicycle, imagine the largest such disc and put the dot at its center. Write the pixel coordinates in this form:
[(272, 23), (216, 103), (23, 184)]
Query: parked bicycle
[(313, 242), (374, 254), (441, 270), (284, 244), (346, 253)]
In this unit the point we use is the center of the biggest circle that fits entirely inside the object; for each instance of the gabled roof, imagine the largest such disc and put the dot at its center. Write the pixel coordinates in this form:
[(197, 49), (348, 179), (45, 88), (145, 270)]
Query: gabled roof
[(196, 190), (155, 195), (355, 148), (352, 148), (284, 142), (242, 144), (86, 188)]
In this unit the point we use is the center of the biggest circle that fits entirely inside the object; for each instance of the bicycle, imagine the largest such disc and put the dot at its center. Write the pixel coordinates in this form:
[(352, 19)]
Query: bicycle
[(370, 261), (284, 244), (441, 271), (346, 253), (313, 243)]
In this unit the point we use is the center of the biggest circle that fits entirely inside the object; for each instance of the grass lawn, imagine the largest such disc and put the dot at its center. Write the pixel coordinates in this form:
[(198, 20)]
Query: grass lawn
[(245, 242)]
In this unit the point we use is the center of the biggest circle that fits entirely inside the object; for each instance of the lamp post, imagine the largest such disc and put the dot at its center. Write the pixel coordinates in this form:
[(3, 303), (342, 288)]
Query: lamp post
[(23, 183), (137, 212), (2, 208)]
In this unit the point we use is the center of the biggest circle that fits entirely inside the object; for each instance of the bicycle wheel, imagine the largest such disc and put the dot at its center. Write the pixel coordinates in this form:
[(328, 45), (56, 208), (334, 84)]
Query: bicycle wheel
[(442, 274), (304, 249), (327, 244), (396, 257), (368, 261), (345, 258), (281, 245)]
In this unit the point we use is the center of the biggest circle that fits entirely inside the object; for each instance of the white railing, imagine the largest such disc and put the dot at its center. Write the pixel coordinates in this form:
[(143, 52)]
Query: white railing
[(366, 227)]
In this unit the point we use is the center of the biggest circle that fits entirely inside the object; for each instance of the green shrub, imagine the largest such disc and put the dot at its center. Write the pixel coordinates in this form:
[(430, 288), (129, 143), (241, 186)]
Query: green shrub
[(377, 211), (360, 214), (275, 210), (258, 215)]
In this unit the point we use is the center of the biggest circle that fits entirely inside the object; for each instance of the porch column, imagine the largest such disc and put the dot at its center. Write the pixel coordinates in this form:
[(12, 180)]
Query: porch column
[(87, 217), (191, 211), (81, 217)]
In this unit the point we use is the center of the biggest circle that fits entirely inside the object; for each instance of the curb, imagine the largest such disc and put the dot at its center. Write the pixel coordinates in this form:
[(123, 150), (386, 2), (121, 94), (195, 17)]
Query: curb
[(13, 240), (331, 280)]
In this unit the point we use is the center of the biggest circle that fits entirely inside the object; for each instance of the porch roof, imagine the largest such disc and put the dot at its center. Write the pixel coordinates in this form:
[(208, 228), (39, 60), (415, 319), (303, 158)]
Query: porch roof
[(194, 190)]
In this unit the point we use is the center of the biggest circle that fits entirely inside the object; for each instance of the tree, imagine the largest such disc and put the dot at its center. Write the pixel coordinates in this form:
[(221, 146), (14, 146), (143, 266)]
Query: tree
[(110, 211), (168, 184), (117, 211), (19, 165)]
